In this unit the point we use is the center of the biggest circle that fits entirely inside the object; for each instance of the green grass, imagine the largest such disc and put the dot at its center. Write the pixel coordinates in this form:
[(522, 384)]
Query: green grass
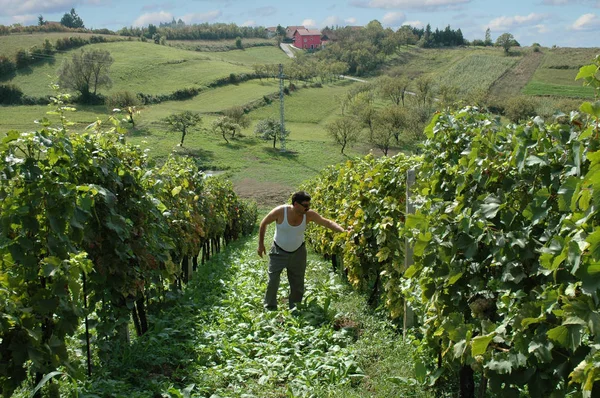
[(475, 72), (215, 339), (219, 99), (544, 88), (556, 74), (313, 105), (251, 56), (10, 44), (220, 45), (140, 68), (413, 61)]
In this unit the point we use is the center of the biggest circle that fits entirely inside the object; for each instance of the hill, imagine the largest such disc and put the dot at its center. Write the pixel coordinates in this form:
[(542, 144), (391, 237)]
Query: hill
[(546, 75)]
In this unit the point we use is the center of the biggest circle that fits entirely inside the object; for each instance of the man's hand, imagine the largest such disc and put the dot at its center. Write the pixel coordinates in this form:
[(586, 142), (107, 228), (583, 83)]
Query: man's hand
[(261, 249)]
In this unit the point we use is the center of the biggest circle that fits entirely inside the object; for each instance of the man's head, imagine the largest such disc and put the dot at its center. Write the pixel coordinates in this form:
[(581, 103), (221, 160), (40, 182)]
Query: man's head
[(302, 198)]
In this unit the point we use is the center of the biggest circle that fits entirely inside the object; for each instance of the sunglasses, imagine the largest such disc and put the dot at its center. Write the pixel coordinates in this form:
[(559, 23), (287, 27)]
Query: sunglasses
[(306, 206)]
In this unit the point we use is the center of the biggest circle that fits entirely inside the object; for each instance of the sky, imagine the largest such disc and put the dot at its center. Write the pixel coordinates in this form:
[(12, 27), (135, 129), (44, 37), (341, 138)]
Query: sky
[(564, 23)]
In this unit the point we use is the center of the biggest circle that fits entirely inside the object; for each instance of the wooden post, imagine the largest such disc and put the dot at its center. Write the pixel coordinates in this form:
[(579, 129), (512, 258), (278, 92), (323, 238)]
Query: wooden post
[(409, 316)]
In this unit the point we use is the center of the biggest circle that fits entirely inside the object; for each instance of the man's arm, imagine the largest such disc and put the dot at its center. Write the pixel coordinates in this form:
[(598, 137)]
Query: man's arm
[(269, 218), (325, 222)]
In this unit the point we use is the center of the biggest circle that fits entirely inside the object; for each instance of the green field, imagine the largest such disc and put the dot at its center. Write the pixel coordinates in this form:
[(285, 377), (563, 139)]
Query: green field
[(140, 68), (251, 56), (258, 170), (557, 71), (487, 68), (314, 105), (10, 44)]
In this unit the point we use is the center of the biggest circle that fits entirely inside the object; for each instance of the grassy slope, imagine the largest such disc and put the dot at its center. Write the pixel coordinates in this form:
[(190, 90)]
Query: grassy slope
[(140, 68), (487, 68), (556, 74), (10, 44)]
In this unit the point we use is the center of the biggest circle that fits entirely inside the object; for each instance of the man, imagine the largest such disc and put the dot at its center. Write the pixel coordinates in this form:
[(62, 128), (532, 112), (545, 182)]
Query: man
[(288, 250)]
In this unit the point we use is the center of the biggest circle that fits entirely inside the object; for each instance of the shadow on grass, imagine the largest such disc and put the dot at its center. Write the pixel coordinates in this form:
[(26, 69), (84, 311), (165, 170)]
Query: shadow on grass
[(138, 131), (276, 153), (202, 156)]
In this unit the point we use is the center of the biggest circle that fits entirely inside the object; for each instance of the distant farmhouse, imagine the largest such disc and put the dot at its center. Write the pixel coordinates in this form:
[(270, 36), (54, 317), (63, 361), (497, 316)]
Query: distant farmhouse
[(290, 30), (271, 31), (307, 39)]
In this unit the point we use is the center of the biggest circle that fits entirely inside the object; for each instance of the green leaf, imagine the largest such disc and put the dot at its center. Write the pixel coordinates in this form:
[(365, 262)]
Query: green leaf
[(479, 344), (586, 71), (592, 109), (568, 336), (175, 191), (594, 240)]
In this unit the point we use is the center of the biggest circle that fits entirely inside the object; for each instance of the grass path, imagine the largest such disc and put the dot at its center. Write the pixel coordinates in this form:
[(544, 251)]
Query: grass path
[(217, 341)]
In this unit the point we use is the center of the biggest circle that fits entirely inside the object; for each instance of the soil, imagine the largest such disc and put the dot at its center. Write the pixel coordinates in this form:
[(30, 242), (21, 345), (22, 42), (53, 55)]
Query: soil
[(266, 194), (512, 82)]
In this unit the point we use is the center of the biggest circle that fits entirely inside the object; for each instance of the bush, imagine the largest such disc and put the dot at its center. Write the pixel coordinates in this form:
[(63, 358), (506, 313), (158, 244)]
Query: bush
[(122, 99), (10, 94), (519, 108), (23, 58), (7, 67)]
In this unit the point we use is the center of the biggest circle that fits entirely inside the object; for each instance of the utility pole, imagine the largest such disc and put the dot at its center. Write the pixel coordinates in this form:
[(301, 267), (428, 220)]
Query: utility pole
[(282, 135)]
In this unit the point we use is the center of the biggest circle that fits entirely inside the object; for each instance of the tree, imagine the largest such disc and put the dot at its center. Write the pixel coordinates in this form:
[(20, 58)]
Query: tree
[(124, 101), (225, 126), (506, 41), (488, 37), (270, 129), (238, 116), (382, 137), (41, 20), (393, 88), (87, 71), (72, 20), (280, 32), (238, 43), (424, 90), (345, 131), (183, 123)]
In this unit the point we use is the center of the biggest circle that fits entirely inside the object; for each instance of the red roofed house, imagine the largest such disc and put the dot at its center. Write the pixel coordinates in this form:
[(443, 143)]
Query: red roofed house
[(291, 30), (307, 38)]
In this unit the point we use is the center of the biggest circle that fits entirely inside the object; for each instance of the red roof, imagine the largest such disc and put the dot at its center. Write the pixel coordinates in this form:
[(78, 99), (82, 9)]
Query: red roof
[(308, 32)]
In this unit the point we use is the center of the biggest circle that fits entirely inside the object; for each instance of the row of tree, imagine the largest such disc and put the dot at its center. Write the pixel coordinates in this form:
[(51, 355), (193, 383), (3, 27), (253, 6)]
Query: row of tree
[(92, 233), (501, 260)]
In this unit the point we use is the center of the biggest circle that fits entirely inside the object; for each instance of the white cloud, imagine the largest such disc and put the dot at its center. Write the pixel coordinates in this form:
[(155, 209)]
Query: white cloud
[(541, 28), (201, 17), (418, 4), (414, 24), (507, 23), (351, 20), (309, 23), (27, 19), (153, 18), (393, 18), (587, 22), (330, 21), (249, 23), (22, 8)]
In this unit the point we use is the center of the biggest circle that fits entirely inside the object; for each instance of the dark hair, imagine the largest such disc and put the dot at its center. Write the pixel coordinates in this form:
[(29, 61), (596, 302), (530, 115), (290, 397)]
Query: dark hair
[(300, 196)]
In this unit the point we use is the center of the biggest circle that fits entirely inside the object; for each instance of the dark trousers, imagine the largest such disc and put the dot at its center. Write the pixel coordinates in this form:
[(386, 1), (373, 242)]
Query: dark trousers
[(295, 264)]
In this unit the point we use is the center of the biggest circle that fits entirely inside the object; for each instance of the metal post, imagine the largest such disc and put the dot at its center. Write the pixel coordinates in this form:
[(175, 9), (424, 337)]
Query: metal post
[(282, 133), (409, 315)]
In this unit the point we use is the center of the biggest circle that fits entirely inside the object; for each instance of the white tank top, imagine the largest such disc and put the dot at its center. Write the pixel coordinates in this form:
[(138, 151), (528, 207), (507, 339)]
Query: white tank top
[(289, 237)]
